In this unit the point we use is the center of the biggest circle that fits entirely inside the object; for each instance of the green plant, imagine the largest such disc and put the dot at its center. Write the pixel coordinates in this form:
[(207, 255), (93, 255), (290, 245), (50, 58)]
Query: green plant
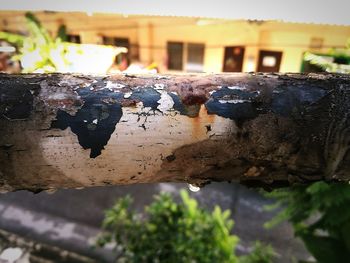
[(260, 254), (338, 54), (173, 232), (320, 217), (38, 52)]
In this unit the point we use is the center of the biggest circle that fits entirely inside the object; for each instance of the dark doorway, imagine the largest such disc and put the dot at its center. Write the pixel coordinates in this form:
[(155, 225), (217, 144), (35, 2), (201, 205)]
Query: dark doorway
[(175, 55), (269, 61), (233, 59)]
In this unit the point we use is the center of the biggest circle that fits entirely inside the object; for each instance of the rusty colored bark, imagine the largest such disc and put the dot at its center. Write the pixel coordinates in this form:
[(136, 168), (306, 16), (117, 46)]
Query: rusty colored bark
[(71, 131)]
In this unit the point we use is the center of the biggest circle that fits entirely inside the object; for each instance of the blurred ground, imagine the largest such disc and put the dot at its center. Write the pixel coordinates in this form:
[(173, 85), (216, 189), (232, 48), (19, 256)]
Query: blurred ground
[(71, 219)]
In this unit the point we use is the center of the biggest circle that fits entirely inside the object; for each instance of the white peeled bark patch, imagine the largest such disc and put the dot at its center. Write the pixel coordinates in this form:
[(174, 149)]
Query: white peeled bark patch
[(165, 102), (64, 130)]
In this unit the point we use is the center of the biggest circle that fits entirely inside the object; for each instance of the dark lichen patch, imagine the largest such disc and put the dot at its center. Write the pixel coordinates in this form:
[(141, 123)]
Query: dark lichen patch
[(21, 109), (95, 122), (226, 93), (233, 104), (178, 105), (285, 100), (16, 101), (148, 96)]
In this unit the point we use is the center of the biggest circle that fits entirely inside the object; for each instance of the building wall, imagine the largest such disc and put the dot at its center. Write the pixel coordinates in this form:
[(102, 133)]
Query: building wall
[(291, 39), (294, 39), (151, 34), (215, 37)]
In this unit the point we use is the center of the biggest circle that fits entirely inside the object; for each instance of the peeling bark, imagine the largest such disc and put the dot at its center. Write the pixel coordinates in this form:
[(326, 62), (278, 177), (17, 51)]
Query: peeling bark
[(66, 131)]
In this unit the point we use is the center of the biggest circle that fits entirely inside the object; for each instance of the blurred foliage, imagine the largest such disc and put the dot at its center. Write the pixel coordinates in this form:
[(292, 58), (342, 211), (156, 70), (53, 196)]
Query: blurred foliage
[(172, 232), (340, 57), (260, 254), (320, 217), (38, 52)]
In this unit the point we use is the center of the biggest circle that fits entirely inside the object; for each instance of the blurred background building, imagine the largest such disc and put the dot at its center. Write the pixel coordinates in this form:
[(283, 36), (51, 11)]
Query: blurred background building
[(185, 44)]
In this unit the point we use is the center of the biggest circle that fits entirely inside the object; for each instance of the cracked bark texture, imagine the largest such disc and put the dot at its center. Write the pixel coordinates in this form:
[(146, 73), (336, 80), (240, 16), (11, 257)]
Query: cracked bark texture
[(72, 131)]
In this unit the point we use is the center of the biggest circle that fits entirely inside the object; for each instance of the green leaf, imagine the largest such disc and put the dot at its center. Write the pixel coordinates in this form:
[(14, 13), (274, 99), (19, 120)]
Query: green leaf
[(36, 30), (62, 33), (325, 249), (14, 39)]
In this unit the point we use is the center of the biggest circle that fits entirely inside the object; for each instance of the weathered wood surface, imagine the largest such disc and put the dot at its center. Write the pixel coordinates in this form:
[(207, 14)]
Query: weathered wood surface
[(76, 131)]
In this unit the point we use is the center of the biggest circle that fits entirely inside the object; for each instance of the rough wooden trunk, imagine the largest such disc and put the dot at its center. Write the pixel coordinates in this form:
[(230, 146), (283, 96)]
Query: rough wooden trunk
[(76, 131)]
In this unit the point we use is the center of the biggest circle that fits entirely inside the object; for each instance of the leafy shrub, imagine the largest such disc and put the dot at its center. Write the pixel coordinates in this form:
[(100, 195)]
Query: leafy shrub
[(172, 232), (259, 254), (320, 216)]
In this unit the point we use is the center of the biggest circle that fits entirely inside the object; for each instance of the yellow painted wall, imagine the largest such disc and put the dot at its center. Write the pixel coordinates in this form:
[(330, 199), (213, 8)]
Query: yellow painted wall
[(215, 37), (294, 39), (291, 39)]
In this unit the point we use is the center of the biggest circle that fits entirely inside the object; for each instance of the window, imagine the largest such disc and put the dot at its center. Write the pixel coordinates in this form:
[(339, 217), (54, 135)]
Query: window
[(192, 53), (195, 57), (116, 41), (73, 39), (175, 55)]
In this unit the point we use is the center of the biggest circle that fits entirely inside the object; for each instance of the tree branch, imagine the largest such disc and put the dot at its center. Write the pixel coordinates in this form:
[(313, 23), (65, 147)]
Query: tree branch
[(62, 130)]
